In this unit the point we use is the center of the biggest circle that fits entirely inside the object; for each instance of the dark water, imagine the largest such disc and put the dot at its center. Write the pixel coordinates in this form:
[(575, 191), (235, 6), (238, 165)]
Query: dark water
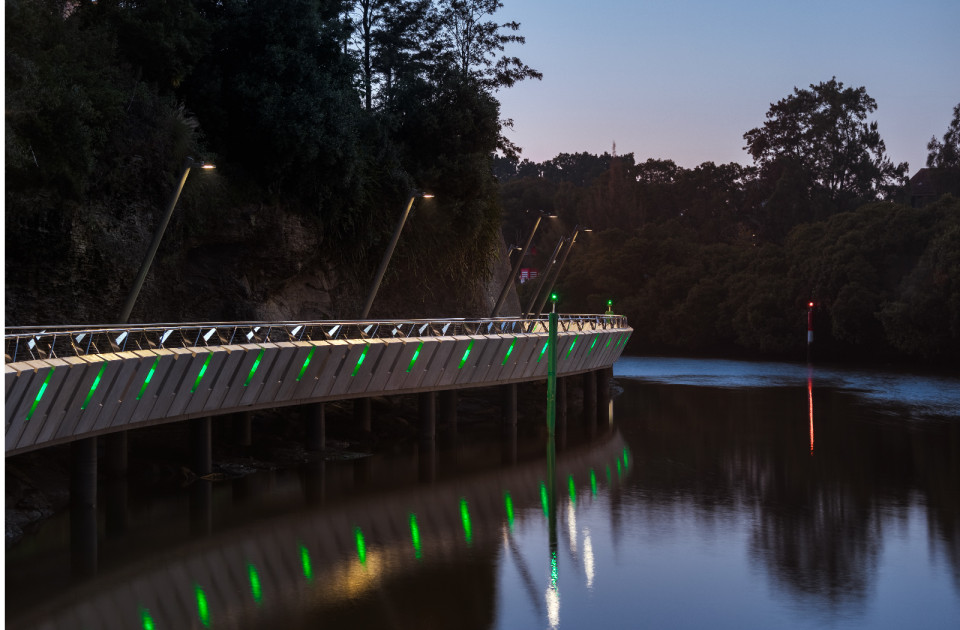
[(720, 495)]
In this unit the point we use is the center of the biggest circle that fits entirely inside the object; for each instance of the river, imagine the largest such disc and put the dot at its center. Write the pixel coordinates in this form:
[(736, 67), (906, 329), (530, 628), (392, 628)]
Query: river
[(716, 494)]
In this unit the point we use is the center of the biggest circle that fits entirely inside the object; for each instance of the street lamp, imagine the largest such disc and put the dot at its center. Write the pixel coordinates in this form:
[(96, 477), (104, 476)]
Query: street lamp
[(516, 266), (556, 274), (158, 235), (386, 256)]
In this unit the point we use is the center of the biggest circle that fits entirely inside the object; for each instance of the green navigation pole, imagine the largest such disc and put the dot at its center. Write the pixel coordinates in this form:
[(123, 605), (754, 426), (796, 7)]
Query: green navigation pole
[(552, 368)]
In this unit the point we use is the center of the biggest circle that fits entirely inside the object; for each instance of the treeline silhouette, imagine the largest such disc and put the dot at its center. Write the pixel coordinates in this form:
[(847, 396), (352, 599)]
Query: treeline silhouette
[(724, 259)]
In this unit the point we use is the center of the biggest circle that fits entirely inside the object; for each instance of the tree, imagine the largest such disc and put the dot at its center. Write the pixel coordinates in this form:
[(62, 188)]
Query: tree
[(946, 154), (821, 138)]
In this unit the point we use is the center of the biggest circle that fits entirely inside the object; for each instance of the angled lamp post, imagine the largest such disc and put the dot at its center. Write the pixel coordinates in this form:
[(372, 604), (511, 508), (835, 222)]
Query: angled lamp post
[(516, 266), (556, 274), (188, 164), (543, 278), (387, 254)]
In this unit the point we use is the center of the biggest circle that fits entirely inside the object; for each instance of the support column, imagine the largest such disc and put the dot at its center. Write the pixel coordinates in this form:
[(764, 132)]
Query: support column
[(243, 429), (509, 405), (362, 414), (316, 427), (83, 507), (427, 406), (590, 399), (201, 446), (448, 408)]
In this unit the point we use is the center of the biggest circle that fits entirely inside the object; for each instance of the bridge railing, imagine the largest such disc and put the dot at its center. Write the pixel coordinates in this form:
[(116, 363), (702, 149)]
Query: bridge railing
[(49, 342)]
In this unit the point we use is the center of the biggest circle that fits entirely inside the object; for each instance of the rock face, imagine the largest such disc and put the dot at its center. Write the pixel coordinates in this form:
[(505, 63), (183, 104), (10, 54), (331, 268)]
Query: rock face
[(253, 263)]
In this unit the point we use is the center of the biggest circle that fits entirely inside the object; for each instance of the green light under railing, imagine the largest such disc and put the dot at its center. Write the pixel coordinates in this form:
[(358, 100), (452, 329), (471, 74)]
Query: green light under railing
[(146, 620), (305, 563), (303, 368), (203, 371), (255, 589), (545, 344), (509, 350), (416, 355), (361, 545), (465, 355), (203, 610), (571, 348), (93, 388), (508, 506), (363, 355), (593, 482), (465, 518), (544, 499), (573, 490), (150, 374), (591, 346), (609, 339), (415, 535), (253, 369), (43, 389)]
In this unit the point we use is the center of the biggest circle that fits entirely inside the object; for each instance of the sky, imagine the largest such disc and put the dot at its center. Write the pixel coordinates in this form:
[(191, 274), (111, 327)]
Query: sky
[(685, 79)]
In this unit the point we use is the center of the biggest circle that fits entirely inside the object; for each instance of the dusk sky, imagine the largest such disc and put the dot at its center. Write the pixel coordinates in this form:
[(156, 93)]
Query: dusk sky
[(685, 79)]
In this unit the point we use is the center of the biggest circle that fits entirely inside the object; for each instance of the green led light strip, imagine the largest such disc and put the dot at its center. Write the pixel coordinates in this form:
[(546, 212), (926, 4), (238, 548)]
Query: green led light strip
[(608, 342), (43, 389), (508, 505), (306, 363), (593, 482), (571, 348), (153, 370), (255, 589), (573, 490), (93, 388), (363, 355), (203, 610), (416, 355), (146, 619), (203, 371), (361, 545), (466, 354), (256, 364), (509, 350), (415, 535), (305, 562), (591, 346), (465, 517), (545, 344)]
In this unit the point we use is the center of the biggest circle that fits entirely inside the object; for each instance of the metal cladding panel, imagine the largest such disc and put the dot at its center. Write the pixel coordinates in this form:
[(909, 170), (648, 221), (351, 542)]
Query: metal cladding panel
[(607, 340), (406, 368), (591, 354), (10, 379), (451, 364), (504, 365), (477, 362), (105, 367), (246, 356), (337, 355), (358, 382), (143, 363), (18, 397), (280, 370), (489, 363), (151, 395), (256, 377), (411, 376), (573, 356), (25, 425), (199, 390), (300, 370), (63, 408), (194, 379), (220, 385), (116, 390), (390, 361), (356, 357), (537, 359), (433, 368), (526, 346), (175, 381)]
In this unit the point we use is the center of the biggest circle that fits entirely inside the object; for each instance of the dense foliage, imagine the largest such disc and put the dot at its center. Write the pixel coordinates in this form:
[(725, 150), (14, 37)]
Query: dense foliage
[(724, 259), (330, 110)]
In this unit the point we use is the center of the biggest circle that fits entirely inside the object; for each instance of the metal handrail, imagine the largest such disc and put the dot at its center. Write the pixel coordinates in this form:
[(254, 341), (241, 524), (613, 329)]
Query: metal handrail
[(47, 342)]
